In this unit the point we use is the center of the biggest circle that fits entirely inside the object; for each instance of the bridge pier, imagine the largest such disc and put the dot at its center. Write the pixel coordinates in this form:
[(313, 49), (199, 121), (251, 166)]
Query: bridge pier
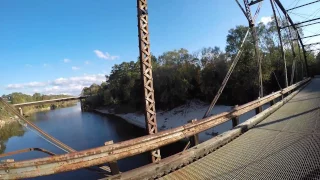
[(235, 120), (194, 140), (258, 109), (21, 111), (273, 101), (52, 107), (114, 168)]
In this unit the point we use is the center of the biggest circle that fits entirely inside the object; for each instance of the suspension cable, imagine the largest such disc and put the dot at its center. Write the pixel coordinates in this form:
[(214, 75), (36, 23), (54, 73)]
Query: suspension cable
[(277, 80), (293, 52), (280, 41), (233, 65)]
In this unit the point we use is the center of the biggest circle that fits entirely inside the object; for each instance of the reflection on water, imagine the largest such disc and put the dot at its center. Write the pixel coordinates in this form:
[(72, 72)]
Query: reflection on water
[(13, 129)]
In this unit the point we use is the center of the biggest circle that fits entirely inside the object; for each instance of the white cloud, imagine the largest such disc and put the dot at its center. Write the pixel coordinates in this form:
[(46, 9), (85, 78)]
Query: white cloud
[(266, 19), (25, 85), (66, 60), (75, 68), (35, 84), (71, 85), (106, 55), (60, 81), (28, 65), (14, 86), (87, 62), (45, 65)]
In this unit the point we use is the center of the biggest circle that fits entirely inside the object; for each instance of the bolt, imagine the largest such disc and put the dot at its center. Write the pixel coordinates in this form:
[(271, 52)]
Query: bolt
[(7, 171)]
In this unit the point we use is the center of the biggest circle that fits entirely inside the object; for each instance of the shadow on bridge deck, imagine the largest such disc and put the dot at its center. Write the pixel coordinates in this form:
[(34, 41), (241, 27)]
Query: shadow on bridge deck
[(286, 145)]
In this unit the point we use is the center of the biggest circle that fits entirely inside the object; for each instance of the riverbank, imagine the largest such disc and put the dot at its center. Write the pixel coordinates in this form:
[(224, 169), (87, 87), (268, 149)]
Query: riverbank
[(8, 121), (173, 118), (32, 109), (28, 111)]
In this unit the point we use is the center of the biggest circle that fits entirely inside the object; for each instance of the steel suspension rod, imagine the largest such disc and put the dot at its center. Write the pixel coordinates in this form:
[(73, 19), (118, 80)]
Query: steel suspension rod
[(303, 5), (233, 65), (281, 44), (295, 28), (256, 43), (293, 52)]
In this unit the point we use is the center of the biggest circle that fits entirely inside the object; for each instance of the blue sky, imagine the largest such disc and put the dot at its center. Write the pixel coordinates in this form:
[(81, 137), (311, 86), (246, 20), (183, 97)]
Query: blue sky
[(58, 46)]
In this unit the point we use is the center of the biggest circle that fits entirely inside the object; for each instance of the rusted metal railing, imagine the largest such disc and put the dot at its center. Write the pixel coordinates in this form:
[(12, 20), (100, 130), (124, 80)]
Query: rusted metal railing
[(117, 151), (27, 150)]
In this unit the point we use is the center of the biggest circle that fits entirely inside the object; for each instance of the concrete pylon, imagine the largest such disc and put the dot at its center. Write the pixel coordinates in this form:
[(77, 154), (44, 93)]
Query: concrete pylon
[(21, 111)]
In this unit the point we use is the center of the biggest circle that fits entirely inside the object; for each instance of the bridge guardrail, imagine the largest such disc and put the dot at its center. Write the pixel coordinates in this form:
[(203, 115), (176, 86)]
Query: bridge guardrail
[(100, 155)]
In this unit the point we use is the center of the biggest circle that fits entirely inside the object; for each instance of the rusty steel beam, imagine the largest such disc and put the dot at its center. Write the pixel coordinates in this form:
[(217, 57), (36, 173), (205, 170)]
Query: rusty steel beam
[(146, 73), (311, 44), (293, 52), (254, 2), (48, 101), (312, 50), (117, 151), (309, 36), (256, 43), (302, 5), (308, 24), (244, 12), (233, 65), (27, 150), (299, 23)]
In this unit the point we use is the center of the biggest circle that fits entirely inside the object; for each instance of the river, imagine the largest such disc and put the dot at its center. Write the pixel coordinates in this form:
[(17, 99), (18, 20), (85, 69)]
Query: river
[(79, 130)]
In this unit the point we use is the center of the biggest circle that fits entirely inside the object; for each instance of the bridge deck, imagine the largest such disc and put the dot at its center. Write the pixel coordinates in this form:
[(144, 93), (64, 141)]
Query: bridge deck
[(286, 145)]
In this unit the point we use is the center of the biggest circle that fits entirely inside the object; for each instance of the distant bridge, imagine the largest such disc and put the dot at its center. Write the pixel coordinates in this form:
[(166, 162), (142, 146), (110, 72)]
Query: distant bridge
[(35, 103)]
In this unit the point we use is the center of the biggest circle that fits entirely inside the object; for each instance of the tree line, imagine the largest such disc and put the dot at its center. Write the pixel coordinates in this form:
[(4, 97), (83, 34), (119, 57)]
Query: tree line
[(179, 75)]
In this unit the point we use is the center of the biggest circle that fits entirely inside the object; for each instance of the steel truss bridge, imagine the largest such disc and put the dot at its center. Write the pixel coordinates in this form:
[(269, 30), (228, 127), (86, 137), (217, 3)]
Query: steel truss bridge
[(280, 142)]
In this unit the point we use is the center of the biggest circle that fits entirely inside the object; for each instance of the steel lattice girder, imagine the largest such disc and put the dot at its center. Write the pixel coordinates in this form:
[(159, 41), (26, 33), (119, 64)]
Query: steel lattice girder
[(146, 73)]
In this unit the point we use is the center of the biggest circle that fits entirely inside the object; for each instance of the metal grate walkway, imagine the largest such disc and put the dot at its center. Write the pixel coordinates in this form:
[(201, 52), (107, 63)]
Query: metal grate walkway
[(286, 145)]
